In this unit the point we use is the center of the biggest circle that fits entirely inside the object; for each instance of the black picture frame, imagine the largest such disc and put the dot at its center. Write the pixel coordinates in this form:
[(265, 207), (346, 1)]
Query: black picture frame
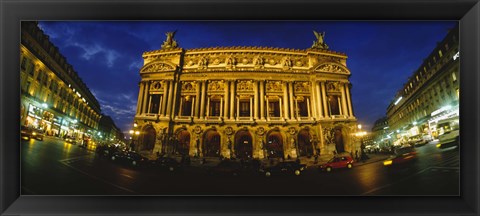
[(12, 12)]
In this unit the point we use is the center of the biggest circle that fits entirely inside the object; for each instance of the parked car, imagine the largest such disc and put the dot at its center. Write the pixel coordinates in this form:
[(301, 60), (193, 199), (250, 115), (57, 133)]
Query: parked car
[(38, 134), (25, 133), (449, 139), (284, 168), (166, 163), (70, 140), (130, 158), (402, 155), (420, 142), (337, 162), (226, 167), (106, 150)]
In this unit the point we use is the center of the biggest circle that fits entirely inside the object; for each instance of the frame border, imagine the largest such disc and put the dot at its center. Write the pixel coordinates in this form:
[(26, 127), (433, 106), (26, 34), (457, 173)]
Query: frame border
[(12, 12)]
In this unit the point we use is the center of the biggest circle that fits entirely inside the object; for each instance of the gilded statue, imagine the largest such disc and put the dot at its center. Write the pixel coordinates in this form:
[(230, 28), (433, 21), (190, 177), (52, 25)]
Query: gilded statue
[(319, 43), (170, 42)]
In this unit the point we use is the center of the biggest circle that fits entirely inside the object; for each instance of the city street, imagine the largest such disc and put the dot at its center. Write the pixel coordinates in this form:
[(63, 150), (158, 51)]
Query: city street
[(54, 167)]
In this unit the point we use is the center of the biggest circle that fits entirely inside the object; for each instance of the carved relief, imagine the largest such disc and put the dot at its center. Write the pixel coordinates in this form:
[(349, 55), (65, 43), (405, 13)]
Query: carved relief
[(216, 61), (189, 86), (333, 86), (158, 67), (287, 63), (245, 85), (302, 86), (258, 62), (274, 86), (156, 86), (230, 62), (328, 134), (245, 61), (331, 68), (203, 62), (216, 85)]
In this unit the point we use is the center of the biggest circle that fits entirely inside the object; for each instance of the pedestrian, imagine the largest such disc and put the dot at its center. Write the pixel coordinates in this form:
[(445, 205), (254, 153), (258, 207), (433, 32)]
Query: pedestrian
[(356, 155)]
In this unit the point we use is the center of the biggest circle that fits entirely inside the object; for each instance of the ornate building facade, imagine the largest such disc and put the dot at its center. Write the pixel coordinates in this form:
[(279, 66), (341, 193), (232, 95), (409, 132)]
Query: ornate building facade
[(245, 102), (428, 103), (53, 97)]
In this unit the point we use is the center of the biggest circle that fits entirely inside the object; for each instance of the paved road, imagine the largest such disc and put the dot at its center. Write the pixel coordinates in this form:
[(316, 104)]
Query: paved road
[(53, 167)]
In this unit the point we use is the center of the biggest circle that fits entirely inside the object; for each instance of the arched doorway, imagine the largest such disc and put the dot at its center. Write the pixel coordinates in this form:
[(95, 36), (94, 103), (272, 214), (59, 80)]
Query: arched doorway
[(148, 139), (182, 142), (211, 144), (305, 147), (243, 144), (274, 145)]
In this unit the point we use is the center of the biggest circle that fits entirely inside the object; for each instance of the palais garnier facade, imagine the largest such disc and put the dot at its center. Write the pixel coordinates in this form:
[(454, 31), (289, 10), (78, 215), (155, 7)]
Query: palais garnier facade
[(245, 102)]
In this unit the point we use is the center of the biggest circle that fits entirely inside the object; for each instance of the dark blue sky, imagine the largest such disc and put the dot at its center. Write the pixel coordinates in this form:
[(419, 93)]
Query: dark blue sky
[(381, 55)]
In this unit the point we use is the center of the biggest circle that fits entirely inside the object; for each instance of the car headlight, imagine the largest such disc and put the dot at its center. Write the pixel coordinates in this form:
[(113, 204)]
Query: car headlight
[(34, 133), (387, 162), (439, 145)]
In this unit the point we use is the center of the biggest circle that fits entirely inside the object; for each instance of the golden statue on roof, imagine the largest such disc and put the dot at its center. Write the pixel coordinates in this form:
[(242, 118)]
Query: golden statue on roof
[(170, 42), (319, 43)]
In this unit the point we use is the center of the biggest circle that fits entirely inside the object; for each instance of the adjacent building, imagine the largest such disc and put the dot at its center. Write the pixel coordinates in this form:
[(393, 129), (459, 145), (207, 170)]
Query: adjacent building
[(53, 97), (244, 102), (428, 103), (109, 131)]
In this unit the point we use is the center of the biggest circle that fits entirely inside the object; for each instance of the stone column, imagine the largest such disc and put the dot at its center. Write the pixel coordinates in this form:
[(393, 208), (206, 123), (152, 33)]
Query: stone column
[(349, 100), (324, 99), (312, 100), (285, 104), (140, 97), (255, 89), (145, 97), (170, 98), (175, 92), (221, 106), (232, 99), (225, 111), (193, 106), (202, 103), (165, 99), (238, 106), (149, 103), (268, 108), (180, 113), (262, 100), (344, 101), (308, 108), (197, 96), (318, 100), (251, 108), (292, 110), (280, 106), (160, 104)]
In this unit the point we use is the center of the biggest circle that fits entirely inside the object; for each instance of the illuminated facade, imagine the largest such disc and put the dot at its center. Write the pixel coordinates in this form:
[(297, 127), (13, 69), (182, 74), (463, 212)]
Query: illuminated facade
[(244, 102), (428, 103), (53, 97)]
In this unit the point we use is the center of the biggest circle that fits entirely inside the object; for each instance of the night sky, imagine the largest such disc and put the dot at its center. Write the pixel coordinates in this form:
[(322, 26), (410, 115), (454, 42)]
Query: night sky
[(381, 55)]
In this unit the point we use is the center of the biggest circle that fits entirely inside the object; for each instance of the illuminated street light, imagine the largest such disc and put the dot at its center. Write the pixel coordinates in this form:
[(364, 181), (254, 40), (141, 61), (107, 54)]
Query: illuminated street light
[(414, 123), (44, 105), (137, 132), (131, 132), (359, 126), (135, 125)]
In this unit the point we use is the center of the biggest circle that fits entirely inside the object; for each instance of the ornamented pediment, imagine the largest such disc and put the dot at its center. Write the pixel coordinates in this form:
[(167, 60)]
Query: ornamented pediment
[(258, 61), (332, 68), (157, 67), (274, 86), (216, 85), (333, 87), (302, 87), (203, 62), (157, 86), (287, 63), (189, 86), (245, 85)]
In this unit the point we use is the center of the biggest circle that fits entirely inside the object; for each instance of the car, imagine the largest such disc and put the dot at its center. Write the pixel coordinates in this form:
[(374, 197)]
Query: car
[(227, 168), (70, 140), (130, 158), (284, 168), (402, 155), (106, 150), (338, 161), (449, 139), (25, 132), (166, 163), (38, 134), (420, 142)]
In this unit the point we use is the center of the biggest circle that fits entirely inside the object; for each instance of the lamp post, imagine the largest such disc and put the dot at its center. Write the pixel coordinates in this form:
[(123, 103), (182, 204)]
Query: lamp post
[(134, 135)]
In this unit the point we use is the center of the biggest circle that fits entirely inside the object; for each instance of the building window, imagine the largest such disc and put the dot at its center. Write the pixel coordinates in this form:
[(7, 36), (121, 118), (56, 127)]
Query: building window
[(155, 100), (274, 109), (24, 63), (334, 103), (214, 108), (187, 106), (446, 46), (244, 108), (302, 108), (440, 53)]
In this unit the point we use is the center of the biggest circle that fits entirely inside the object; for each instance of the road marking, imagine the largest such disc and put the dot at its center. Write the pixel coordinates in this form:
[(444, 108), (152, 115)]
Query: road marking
[(97, 178), (128, 176), (408, 177)]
